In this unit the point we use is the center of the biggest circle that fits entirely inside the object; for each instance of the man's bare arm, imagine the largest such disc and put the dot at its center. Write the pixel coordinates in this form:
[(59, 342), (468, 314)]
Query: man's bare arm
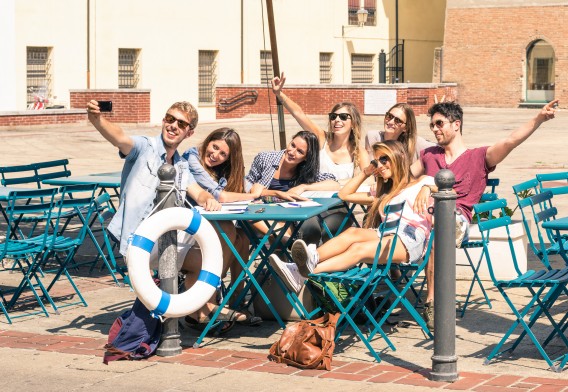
[(111, 132)]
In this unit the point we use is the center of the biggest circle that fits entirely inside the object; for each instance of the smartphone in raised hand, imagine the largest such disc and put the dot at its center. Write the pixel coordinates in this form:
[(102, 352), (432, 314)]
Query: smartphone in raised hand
[(105, 106)]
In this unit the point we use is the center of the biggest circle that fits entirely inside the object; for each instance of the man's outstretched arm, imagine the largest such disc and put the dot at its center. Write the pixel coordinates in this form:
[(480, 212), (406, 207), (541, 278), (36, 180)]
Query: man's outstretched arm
[(111, 132), (499, 151)]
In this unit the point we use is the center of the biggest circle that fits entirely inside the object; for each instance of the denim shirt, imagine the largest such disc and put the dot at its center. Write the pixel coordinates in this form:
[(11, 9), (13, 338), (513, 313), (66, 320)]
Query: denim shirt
[(202, 177), (138, 184)]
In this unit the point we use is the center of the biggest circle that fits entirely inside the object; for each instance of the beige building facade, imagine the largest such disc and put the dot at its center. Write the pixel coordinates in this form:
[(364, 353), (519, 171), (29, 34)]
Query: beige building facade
[(180, 50)]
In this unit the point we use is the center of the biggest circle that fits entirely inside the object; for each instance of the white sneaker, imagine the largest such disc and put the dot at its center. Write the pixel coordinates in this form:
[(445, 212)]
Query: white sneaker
[(288, 272), (305, 256)]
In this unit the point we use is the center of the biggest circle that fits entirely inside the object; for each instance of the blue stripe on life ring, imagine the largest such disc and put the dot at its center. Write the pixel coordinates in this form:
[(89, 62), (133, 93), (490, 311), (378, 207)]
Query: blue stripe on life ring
[(162, 306), (195, 223), (209, 278), (142, 243)]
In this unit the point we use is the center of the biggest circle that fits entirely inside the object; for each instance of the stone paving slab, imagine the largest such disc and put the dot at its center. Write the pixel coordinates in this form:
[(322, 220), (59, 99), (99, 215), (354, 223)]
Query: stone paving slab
[(63, 351)]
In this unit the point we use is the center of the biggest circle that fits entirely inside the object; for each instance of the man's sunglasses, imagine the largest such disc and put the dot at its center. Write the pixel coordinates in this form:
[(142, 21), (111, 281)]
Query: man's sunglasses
[(439, 124), (397, 120), (171, 119), (342, 116), (383, 160)]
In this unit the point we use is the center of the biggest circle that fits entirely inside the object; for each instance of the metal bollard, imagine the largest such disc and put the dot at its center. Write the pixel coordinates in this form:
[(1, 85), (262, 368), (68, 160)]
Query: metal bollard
[(170, 343), (444, 360)]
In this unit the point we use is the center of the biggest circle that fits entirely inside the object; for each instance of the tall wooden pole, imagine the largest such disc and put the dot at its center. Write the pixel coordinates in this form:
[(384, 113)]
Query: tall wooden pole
[(276, 68)]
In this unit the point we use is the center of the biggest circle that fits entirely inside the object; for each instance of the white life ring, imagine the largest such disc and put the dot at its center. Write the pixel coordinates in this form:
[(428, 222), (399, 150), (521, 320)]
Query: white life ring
[(144, 239)]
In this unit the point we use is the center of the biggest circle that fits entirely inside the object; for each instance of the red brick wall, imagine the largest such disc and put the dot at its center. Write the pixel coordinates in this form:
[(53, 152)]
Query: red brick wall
[(129, 106), (43, 117), (485, 51), (319, 100)]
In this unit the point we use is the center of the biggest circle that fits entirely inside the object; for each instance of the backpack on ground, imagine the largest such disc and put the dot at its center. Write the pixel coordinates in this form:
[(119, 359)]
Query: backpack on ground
[(133, 335)]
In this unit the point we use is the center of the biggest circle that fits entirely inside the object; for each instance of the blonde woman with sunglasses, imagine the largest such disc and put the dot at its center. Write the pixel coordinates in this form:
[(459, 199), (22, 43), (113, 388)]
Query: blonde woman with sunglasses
[(399, 124), (394, 185), (340, 146), (341, 152)]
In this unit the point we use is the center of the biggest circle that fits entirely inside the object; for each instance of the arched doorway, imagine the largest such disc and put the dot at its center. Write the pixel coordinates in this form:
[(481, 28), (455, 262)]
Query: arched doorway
[(540, 72)]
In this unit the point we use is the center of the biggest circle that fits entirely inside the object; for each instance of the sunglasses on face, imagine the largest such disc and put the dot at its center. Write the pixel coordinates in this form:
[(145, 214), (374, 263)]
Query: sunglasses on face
[(171, 119), (439, 124), (383, 160), (342, 116), (397, 121)]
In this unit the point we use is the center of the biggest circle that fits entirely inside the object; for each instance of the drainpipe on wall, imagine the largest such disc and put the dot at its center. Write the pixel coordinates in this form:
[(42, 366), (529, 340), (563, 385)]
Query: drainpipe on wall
[(88, 44)]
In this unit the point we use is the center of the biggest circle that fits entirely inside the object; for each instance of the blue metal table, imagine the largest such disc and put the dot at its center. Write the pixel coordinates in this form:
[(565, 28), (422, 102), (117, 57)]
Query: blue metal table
[(105, 181), (272, 214)]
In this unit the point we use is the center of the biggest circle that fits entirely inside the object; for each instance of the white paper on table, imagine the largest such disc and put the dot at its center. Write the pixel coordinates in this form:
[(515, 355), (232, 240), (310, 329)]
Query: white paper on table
[(241, 209), (298, 204), (238, 203)]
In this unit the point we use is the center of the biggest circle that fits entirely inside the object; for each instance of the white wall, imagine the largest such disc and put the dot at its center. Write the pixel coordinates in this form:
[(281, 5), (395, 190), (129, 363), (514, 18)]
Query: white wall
[(171, 32), (8, 85)]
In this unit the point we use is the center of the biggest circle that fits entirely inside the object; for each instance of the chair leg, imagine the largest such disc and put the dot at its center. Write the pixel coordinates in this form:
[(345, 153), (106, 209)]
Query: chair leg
[(475, 270)]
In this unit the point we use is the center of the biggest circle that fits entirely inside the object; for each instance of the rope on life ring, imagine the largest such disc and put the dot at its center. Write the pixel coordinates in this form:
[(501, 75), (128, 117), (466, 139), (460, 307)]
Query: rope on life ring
[(144, 239)]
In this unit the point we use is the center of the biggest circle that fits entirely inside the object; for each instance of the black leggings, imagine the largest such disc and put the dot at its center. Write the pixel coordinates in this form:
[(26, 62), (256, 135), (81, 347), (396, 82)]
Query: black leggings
[(312, 231)]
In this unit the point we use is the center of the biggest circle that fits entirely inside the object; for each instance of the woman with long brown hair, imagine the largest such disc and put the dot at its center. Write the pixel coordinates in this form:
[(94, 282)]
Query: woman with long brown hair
[(395, 184), (218, 167)]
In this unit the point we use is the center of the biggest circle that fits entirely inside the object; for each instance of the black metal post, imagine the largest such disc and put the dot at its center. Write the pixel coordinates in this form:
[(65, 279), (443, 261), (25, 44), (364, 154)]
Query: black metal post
[(382, 66), (170, 344), (444, 360)]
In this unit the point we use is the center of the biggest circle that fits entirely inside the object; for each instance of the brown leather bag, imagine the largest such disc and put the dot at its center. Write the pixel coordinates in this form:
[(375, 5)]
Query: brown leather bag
[(308, 344)]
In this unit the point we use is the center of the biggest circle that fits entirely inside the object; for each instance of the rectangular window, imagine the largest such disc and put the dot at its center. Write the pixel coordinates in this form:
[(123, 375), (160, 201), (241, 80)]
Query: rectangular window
[(266, 71), (362, 68), (128, 65), (38, 76), (371, 7), (325, 68), (207, 75)]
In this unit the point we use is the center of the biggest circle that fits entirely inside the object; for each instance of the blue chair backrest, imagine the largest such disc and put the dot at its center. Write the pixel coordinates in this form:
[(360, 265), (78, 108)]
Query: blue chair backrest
[(496, 207), (34, 173), (541, 209), (560, 187), (393, 213), (35, 203), (78, 200)]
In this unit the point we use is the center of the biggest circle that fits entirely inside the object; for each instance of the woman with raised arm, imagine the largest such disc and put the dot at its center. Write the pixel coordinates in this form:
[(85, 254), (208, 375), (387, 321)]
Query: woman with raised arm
[(341, 152), (394, 185)]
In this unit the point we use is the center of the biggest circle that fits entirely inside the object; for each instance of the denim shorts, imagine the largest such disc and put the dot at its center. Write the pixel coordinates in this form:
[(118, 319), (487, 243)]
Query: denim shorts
[(413, 240)]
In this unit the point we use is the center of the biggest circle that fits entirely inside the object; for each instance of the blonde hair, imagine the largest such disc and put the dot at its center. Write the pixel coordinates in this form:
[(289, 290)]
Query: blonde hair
[(355, 135), (399, 162), (191, 112)]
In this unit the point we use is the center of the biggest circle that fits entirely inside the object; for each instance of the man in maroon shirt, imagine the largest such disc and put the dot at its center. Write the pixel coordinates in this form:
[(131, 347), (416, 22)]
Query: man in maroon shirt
[(470, 168)]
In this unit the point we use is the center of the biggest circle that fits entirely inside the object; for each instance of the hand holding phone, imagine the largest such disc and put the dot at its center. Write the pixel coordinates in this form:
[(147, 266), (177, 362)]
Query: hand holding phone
[(105, 106)]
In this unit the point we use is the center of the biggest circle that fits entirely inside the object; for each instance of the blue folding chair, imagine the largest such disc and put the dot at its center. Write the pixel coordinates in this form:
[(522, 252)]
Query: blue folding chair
[(557, 183), (543, 286), (492, 183), (539, 207), (361, 281), (28, 253), (78, 201)]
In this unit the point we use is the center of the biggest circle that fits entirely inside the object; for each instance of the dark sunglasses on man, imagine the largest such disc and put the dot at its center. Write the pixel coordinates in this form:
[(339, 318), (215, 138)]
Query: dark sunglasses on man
[(171, 119)]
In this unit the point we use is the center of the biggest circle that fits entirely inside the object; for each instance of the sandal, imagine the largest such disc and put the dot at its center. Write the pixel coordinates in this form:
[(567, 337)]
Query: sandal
[(222, 327), (250, 321)]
